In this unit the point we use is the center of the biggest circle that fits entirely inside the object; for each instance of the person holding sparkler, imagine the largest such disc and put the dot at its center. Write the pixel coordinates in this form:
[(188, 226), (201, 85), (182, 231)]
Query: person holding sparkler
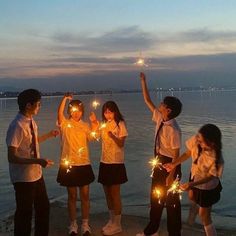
[(112, 172), (75, 168), (166, 148), (25, 166), (204, 186)]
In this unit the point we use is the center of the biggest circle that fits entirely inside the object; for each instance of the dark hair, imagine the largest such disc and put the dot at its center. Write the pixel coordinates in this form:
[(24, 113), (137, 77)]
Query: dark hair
[(28, 96), (75, 103), (212, 136), (174, 104), (111, 106)]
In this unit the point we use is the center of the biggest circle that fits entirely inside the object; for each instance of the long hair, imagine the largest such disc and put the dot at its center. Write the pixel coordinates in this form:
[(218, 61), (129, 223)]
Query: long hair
[(111, 106), (212, 136)]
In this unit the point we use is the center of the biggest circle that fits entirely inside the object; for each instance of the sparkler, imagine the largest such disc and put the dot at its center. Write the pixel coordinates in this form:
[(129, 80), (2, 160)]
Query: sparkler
[(67, 163), (102, 125), (95, 104), (69, 125), (155, 162), (157, 193), (94, 135), (80, 151), (141, 62), (175, 188)]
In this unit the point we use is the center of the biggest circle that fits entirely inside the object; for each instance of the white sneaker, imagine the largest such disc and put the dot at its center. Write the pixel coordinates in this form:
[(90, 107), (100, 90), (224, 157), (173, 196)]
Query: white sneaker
[(85, 230), (112, 229), (109, 223), (73, 229)]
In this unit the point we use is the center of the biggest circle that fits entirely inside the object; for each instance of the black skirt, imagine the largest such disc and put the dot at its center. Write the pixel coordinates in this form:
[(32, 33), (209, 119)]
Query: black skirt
[(206, 198), (76, 176), (111, 174)]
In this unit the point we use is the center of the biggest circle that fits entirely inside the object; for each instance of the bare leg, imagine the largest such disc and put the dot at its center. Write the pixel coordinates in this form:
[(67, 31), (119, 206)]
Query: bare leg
[(85, 203), (71, 203)]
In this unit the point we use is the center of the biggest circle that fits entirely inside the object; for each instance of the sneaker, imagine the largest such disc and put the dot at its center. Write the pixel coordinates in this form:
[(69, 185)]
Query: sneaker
[(109, 223), (112, 229), (85, 230), (73, 229)]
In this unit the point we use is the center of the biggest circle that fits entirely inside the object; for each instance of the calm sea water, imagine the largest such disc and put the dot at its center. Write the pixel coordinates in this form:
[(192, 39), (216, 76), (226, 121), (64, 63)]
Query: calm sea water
[(198, 108)]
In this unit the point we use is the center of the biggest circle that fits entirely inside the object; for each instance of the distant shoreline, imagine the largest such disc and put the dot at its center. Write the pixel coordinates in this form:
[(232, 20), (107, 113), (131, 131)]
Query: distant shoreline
[(13, 94)]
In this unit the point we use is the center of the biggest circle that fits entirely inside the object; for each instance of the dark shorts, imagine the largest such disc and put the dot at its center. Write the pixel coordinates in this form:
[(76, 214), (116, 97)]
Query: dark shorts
[(206, 198), (76, 176), (111, 174)]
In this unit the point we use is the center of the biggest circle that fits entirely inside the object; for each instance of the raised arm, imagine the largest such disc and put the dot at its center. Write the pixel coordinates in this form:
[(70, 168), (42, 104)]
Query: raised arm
[(61, 108), (145, 92)]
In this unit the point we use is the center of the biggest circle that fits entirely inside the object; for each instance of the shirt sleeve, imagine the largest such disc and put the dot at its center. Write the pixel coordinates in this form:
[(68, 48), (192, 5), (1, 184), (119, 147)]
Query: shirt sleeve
[(122, 130), (191, 143), (14, 135), (156, 115)]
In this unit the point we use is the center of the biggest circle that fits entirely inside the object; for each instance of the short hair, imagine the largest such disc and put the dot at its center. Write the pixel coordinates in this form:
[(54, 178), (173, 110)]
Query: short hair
[(75, 103), (28, 96), (174, 104)]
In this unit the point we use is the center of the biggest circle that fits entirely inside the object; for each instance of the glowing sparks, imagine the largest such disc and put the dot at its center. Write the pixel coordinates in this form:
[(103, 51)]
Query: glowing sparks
[(175, 188), (141, 62), (73, 108), (157, 193), (155, 163), (94, 135), (95, 104), (102, 125), (69, 125), (67, 164)]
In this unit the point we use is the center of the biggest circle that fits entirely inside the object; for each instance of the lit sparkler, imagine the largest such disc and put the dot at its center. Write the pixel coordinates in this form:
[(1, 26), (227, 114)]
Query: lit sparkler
[(67, 164), (69, 125), (95, 104), (141, 62), (155, 162), (157, 193), (175, 188), (94, 135), (102, 125)]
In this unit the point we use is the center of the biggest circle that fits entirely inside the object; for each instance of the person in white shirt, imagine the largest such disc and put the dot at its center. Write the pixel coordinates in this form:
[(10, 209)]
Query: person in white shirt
[(167, 144), (75, 168), (25, 166), (204, 186), (112, 171)]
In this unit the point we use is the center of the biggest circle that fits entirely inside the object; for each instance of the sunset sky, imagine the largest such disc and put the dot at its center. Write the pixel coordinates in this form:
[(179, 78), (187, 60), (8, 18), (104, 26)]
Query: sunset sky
[(99, 40)]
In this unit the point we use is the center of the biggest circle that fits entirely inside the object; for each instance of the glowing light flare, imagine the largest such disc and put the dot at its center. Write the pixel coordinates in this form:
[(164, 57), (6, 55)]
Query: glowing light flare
[(81, 151), (102, 126), (94, 135), (155, 162), (157, 193), (95, 104), (141, 62), (67, 164), (175, 188)]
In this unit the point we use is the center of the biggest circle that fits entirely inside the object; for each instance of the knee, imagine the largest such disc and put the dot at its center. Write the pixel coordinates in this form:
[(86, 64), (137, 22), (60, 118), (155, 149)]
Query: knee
[(205, 218), (72, 197)]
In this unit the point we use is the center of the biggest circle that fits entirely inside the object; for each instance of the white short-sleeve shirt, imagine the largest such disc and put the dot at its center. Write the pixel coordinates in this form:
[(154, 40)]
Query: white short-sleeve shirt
[(74, 142), (111, 152), (19, 136), (205, 165), (169, 137)]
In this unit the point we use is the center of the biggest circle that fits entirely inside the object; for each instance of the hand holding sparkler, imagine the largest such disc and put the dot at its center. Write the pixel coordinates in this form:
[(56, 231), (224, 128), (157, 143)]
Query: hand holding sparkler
[(169, 166), (45, 162), (68, 96), (185, 186)]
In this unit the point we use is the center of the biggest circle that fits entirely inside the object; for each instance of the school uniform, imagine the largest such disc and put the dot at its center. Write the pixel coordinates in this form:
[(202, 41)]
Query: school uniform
[(74, 150), (112, 169), (167, 138), (203, 164), (27, 179)]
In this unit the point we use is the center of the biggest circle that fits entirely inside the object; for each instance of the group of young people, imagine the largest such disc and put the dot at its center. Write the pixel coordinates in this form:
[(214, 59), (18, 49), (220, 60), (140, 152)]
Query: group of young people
[(25, 165)]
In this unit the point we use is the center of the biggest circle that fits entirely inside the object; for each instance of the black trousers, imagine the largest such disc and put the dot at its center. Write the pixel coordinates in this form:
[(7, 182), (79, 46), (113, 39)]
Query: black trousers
[(29, 196), (169, 201)]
